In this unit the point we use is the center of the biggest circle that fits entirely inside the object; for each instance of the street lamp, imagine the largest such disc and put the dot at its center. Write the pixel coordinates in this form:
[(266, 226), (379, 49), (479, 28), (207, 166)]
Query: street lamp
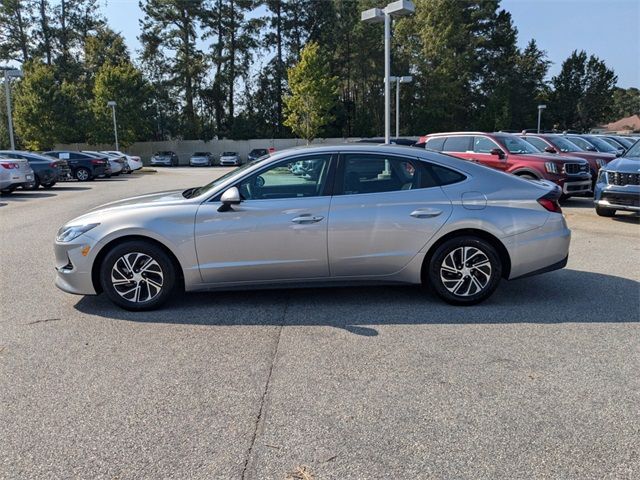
[(376, 15), (399, 80), (112, 104), (540, 109), (14, 73)]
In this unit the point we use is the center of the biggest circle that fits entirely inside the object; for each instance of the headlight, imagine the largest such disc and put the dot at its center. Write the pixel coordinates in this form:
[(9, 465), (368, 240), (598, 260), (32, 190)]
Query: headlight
[(71, 232), (602, 177), (601, 162), (551, 167)]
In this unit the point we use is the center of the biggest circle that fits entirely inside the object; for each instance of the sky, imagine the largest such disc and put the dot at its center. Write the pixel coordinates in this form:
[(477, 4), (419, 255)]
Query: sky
[(609, 29)]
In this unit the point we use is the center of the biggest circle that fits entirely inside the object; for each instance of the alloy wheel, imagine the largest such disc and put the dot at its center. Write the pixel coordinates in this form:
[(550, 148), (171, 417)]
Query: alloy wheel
[(82, 175), (137, 277), (465, 271)]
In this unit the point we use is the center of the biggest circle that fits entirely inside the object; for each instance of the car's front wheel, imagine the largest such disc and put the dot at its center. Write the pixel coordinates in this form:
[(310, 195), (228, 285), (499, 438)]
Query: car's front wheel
[(605, 212), (137, 275), (465, 270)]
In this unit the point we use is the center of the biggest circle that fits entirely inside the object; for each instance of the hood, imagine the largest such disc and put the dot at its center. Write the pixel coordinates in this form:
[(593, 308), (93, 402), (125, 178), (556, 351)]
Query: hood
[(624, 165), (170, 197), (593, 155), (553, 157)]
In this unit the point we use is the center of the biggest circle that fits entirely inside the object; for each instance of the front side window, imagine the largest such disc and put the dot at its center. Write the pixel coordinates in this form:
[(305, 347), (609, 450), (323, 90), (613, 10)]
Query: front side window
[(458, 143), (565, 145), (483, 145), (371, 173), (300, 177), (582, 143)]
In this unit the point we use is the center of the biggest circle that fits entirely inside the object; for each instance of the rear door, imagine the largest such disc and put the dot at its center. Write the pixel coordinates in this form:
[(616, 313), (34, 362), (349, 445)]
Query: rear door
[(384, 210)]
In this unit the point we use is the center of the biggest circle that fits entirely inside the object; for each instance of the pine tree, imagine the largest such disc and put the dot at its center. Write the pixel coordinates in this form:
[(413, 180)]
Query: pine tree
[(15, 19)]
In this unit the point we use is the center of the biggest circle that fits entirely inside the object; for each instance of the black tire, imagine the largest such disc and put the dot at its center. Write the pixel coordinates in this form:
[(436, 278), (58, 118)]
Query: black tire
[(467, 292), (528, 176), (35, 184), (605, 212), (48, 185), (82, 174), (167, 276), (564, 197)]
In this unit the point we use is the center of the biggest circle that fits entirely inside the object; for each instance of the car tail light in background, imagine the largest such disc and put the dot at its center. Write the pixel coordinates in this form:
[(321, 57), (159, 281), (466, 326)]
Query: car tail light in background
[(97, 162), (10, 165), (550, 203), (54, 164)]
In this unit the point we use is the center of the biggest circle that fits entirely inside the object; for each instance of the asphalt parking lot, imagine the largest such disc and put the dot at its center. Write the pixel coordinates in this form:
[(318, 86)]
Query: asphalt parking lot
[(541, 381)]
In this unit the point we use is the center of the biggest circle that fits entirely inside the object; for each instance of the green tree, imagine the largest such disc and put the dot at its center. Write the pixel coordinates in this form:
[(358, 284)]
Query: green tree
[(15, 19), (124, 84), (582, 92), (626, 102), (529, 87), (47, 110), (313, 94)]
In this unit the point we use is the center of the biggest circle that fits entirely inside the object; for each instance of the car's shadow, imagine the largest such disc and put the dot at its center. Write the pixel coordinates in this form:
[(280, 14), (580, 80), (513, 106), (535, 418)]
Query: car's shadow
[(627, 218), (24, 195), (578, 202), (557, 297)]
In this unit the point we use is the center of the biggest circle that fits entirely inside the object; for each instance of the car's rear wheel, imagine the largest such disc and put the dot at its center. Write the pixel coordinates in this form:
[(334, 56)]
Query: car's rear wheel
[(465, 270), (605, 212), (82, 174), (137, 275), (35, 184), (48, 185)]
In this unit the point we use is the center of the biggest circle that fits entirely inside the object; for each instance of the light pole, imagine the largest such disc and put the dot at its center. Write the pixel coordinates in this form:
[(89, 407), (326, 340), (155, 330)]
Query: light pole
[(540, 109), (7, 93), (399, 80), (376, 15), (112, 104)]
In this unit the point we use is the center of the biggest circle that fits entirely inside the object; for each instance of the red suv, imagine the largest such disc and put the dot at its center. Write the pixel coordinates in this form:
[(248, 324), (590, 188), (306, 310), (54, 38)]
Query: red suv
[(561, 145), (511, 154)]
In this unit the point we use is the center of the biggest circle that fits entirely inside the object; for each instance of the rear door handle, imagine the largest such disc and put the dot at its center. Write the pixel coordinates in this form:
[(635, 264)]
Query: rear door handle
[(426, 213), (307, 218)]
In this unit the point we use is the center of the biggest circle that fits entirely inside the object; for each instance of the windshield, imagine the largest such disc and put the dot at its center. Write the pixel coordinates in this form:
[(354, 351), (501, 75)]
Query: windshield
[(200, 154), (634, 151), (228, 154), (517, 145), (582, 143), (194, 192), (564, 145), (164, 153), (601, 145)]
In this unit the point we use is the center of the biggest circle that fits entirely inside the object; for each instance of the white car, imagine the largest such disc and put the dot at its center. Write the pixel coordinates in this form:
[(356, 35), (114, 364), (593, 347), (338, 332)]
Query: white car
[(116, 164), (14, 173), (135, 162), (229, 158)]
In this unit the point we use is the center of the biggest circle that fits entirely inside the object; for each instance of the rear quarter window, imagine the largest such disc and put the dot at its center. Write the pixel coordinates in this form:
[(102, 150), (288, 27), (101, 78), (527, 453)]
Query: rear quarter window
[(435, 144), (457, 144), (445, 176)]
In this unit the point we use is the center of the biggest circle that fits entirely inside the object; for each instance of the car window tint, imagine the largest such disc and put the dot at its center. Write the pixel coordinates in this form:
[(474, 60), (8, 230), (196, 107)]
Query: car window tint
[(301, 177), (536, 142), (371, 173), (446, 176), (457, 144), (483, 145), (435, 144)]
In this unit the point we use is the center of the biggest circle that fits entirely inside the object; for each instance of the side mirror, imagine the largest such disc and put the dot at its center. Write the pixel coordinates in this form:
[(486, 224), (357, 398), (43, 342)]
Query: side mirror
[(620, 153), (550, 150), (228, 198), (591, 149), (498, 152)]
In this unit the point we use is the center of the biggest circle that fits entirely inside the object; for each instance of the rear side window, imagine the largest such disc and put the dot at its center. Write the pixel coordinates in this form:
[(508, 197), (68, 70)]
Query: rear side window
[(457, 144), (435, 144), (446, 176)]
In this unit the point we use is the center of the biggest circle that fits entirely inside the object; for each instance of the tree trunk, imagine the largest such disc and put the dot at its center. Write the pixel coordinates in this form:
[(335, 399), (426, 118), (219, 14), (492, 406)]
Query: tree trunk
[(232, 60)]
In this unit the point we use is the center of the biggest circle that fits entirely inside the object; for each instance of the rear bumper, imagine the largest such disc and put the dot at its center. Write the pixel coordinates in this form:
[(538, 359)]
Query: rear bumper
[(539, 250)]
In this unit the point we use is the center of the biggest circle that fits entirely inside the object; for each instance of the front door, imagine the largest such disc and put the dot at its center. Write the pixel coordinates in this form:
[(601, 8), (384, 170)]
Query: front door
[(386, 210), (279, 230)]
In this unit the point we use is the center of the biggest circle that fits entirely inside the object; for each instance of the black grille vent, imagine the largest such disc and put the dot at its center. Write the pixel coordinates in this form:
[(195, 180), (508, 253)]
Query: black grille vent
[(576, 168), (617, 178)]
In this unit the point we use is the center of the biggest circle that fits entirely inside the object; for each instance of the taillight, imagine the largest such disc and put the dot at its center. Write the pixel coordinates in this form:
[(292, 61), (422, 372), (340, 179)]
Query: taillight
[(550, 204), (422, 139), (97, 162), (10, 165), (54, 164)]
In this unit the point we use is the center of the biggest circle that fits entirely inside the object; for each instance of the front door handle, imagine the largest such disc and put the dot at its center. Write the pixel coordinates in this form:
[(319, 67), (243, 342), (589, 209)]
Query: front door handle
[(307, 218), (426, 213)]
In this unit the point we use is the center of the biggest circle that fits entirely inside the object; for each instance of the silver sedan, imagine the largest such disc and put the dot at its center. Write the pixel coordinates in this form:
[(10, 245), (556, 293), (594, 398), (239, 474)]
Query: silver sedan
[(321, 216)]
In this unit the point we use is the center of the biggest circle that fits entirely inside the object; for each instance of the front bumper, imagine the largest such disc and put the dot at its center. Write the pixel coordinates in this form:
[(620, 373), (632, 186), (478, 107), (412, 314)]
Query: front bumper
[(198, 161), (163, 162), (73, 269), (619, 198), (576, 187)]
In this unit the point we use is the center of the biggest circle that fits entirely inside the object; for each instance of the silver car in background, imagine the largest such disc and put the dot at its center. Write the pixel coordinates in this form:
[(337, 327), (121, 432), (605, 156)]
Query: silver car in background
[(363, 214), (230, 158), (14, 173)]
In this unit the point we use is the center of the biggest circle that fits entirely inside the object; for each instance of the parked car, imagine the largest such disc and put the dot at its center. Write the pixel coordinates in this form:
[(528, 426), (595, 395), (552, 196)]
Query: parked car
[(201, 159), (511, 154), (618, 185), (591, 143), (229, 158), (618, 141), (118, 158), (393, 141), (116, 163), (134, 162), (14, 173), (84, 166), (46, 170), (166, 158), (257, 153), (414, 217), (553, 143)]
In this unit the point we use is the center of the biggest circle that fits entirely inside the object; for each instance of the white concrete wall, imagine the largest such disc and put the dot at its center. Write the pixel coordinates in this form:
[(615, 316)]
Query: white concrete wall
[(185, 148)]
